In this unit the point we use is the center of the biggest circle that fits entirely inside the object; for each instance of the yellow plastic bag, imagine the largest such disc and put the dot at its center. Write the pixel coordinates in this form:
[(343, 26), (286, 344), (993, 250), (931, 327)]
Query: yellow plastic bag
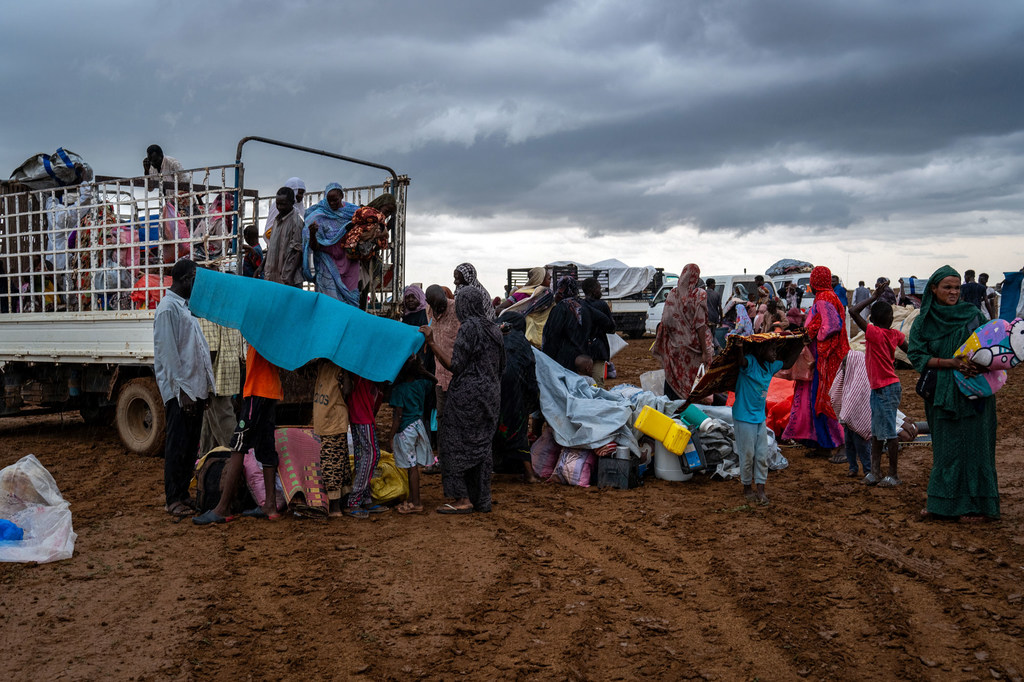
[(388, 483)]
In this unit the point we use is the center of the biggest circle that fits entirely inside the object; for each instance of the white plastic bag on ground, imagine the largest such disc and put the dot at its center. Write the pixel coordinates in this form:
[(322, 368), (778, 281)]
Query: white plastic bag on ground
[(30, 499), (653, 381)]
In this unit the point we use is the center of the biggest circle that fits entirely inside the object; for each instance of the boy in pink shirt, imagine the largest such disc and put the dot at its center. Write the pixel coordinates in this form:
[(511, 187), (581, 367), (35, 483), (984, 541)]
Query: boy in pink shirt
[(880, 344)]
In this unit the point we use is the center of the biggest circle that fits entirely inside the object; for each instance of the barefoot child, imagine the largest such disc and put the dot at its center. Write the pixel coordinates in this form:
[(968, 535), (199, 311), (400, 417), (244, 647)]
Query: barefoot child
[(409, 438), (758, 362), (880, 343), (330, 422)]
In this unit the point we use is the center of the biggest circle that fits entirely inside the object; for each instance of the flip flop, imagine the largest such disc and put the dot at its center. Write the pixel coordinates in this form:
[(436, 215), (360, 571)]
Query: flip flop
[(450, 509), (210, 517), (377, 509), (410, 509), (357, 513)]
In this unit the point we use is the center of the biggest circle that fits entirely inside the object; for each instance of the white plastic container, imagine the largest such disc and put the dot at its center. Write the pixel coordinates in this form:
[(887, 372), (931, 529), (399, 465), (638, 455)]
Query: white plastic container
[(667, 466)]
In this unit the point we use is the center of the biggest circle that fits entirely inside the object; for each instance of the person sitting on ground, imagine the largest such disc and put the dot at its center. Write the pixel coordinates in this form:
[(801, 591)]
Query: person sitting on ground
[(255, 431), (184, 375), (253, 258), (880, 344), (601, 325), (283, 263), (409, 439), (520, 395), (567, 332), (795, 317), (477, 362), (758, 362), (331, 424), (445, 325)]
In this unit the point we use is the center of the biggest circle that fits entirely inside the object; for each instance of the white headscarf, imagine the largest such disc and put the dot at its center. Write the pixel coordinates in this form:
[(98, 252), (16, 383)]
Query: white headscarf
[(296, 184)]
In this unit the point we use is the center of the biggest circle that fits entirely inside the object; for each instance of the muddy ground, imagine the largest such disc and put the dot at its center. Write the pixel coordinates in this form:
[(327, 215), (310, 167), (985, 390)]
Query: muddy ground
[(670, 581)]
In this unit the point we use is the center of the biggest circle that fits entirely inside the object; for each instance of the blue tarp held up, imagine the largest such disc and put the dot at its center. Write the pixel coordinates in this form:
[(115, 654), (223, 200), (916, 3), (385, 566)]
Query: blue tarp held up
[(290, 327)]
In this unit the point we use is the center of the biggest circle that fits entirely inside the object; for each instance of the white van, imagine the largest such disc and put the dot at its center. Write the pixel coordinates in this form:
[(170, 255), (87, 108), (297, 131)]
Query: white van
[(723, 284)]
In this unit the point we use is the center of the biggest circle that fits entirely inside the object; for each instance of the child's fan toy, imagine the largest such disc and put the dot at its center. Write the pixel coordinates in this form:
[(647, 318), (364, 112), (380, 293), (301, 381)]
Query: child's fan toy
[(996, 346)]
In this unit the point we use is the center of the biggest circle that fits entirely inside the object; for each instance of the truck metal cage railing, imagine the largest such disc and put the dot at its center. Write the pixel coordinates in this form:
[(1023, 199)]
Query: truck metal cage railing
[(518, 277), (104, 249), (388, 269)]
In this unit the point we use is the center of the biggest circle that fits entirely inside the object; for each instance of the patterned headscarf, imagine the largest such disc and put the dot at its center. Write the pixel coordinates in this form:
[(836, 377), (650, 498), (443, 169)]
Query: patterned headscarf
[(471, 303), (569, 288), (470, 281), (421, 298), (677, 344)]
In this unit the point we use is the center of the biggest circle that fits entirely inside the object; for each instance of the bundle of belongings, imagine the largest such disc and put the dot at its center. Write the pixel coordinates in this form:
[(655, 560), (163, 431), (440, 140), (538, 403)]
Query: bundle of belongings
[(48, 171), (35, 519), (788, 266)]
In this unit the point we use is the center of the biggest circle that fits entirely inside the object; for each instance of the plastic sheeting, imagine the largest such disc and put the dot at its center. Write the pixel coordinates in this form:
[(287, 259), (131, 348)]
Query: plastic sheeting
[(788, 266), (623, 280), (30, 499), (584, 416)]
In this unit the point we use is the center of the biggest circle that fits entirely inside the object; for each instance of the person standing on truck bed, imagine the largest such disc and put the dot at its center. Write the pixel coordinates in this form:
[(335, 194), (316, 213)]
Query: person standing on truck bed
[(163, 170), (283, 263), (184, 375), (299, 187), (326, 224), (601, 324)]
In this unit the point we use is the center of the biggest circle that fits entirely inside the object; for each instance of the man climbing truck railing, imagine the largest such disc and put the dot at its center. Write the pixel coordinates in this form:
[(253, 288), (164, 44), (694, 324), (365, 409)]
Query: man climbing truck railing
[(83, 267)]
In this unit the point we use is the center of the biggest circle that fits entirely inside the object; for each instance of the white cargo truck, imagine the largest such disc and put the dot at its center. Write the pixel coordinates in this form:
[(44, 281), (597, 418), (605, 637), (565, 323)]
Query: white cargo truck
[(82, 269)]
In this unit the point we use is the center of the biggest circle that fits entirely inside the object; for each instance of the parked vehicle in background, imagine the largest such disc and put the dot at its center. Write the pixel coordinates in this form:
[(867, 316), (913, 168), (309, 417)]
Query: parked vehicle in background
[(658, 303), (628, 291), (803, 280), (76, 313)]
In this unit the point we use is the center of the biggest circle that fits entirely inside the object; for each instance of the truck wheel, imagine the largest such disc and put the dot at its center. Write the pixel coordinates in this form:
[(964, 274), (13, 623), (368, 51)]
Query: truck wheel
[(140, 417)]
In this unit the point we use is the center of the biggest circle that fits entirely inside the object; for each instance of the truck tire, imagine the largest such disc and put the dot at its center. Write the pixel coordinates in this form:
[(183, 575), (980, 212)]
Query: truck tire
[(140, 417)]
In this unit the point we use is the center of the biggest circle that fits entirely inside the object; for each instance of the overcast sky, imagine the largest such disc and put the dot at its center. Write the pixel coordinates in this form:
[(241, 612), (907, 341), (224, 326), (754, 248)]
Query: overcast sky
[(874, 137)]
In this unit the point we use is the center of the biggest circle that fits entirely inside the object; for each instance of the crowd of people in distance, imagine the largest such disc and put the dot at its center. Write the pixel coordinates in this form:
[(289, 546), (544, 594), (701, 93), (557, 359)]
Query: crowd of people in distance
[(845, 403)]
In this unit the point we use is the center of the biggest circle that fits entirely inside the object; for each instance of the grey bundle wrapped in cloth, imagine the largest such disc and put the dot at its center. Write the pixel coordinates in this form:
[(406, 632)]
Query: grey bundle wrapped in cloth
[(584, 416), (719, 438)]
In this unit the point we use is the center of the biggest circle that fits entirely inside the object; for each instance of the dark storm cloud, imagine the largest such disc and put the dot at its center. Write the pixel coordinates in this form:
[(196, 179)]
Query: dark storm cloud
[(611, 115)]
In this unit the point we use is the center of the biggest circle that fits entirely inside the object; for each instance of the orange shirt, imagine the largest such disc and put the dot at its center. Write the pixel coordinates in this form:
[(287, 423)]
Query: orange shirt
[(261, 378)]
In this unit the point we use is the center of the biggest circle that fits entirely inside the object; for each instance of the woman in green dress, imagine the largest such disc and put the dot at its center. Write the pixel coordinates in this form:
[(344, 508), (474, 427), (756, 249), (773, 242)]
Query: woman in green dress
[(963, 479)]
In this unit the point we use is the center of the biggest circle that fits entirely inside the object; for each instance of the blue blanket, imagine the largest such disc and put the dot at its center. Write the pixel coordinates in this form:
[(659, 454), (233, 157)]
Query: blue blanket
[(290, 327), (1010, 296)]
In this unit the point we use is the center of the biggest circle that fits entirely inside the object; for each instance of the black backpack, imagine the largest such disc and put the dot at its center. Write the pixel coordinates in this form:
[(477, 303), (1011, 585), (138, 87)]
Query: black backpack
[(209, 486)]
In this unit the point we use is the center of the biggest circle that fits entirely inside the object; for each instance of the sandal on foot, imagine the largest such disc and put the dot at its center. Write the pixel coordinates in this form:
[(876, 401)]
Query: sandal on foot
[(357, 513), (452, 509), (179, 508), (377, 509), (889, 482), (409, 509), (210, 517), (838, 458)]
